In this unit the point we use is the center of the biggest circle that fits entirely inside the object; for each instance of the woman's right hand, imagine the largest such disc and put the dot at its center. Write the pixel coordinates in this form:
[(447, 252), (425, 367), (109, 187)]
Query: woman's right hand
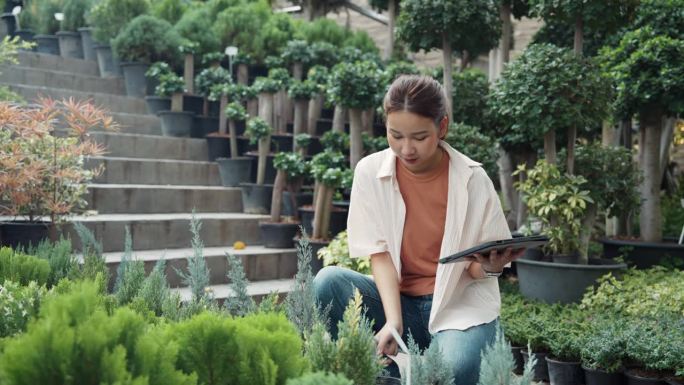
[(386, 344)]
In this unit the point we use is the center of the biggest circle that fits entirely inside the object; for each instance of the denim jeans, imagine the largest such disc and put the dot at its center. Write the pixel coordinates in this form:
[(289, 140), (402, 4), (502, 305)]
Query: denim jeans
[(460, 348)]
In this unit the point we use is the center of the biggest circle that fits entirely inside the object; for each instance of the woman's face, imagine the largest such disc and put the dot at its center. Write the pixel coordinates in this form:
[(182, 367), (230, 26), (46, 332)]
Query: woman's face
[(415, 139)]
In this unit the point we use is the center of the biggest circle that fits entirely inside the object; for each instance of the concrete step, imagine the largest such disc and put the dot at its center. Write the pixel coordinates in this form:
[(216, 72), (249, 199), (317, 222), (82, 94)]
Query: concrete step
[(260, 264), (61, 79), (257, 290), (58, 63), (125, 145), (156, 171), (113, 103), (153, 199), (167, 231), (143, 124)]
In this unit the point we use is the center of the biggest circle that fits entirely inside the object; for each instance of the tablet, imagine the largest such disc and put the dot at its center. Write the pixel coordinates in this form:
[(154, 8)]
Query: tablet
[(485, 248)]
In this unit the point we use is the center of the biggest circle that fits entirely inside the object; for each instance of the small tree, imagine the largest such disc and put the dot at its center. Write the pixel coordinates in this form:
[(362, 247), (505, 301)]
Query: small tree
[(283, 105), (258, 131), (109, 17), (392, 8), (318, 75), (188, 50), (291, 170), (298, 54), (326, 168), (266, 88), (147, 39), (301, 93), (234, 112), (209, 78)]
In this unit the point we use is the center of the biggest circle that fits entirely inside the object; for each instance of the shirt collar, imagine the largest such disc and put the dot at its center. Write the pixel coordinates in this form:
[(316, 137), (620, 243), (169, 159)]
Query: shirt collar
[(456, 159)]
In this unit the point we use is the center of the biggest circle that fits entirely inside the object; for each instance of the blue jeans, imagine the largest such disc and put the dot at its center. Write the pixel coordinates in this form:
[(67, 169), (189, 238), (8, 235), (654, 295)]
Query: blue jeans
[(460, 348)]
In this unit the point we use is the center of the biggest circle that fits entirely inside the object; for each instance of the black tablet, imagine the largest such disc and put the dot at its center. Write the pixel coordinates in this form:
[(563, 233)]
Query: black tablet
[(485, 248)]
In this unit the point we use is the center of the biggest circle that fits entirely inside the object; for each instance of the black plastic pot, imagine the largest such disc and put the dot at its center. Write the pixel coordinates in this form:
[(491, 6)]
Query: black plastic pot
[(88, 44), (234, 171), (9, 24), (316, 263), (134, 78), (601, 377), (519, 361), (194, 104), (565, 373), (203, 126), (214, 108), (109, 67), (48, 44), (23, 233), (157, 103), (176, 123), (338, 220), (26, 35), (218, 147), (270, 175), (323, 126), (301, 199), (644, 255), (387, 381), (673, 381), (256, 198), (278, 235), (635, 379), (70, 44), (282, 143), (541, 370)]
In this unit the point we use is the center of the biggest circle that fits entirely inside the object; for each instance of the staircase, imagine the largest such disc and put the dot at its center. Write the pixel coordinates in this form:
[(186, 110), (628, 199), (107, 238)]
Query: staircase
[(152, 183)]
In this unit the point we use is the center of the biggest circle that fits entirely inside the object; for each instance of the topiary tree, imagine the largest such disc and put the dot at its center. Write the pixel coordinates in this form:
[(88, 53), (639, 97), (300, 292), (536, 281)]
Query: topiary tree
[(259, 131), (473, 143), (241, 26), (301, 93), (318, 75), (291, 171), (266, 88), (649, 80), (327, 170), (469, 97), (323, 54), (147, 39), (209, 78), (508, 8), (74, 14), (447, 25), (298, 54), (108, 17), (193, 27), (169, 10), (282, 104), (355, 86), (234, 112)]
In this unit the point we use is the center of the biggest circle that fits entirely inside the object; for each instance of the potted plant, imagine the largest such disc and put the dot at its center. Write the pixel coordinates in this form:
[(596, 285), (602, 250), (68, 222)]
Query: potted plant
[(297, 53), (160, 98), (212, 59), (317, 74), (256, 198), (108, 18), (236, 169), (354, 86), (514, 313), (191, 102), (536, 342), (603, 351), (175, 122), (47, 26), (220, 142), (564, 340), (242, 61), (26, 22), (301, 93), (70, 41), (282, 104), (279, 233), (143, 41), (266, 88), (43, 176), (204, 82), (654, 349)]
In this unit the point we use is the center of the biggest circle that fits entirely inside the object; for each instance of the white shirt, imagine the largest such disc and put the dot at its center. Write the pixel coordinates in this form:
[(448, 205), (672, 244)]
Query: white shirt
[(474, 215)]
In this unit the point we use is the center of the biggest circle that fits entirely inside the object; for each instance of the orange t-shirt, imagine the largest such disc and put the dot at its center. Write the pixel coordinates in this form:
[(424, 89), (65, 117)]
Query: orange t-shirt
[(425, 197)]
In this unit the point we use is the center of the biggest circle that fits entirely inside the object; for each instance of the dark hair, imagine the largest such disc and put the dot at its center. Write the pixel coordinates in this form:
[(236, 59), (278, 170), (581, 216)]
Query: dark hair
[(418, 94)]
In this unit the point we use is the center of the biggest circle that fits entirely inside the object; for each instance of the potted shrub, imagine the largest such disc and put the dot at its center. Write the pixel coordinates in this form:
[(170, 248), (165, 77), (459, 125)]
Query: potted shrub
[(354, 86), (174, 122), (603, 351), (212, 59), (47, 26), (282, 104), (160, 99), (266, 88), (256, 198), (279, 233), (70, 40), (236, 169), (204, 82), (42, 174), (27, 20), (242, 61), (318, 75), (108, 18), (143, 41), (536, 342), (514, 313), (564, 340), (654, 347), (219, 142), (297, 53), (301, 93)]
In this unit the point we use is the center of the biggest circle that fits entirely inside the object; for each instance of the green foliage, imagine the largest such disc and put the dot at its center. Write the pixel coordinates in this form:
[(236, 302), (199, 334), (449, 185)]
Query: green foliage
[(646, 73), (108, 17), (423, 25), (281, 76), (169, 84), (22, 268), (188, 48), (7, 95), (93, 260), (514, 312), (130, 274), (18, 304), (335, 141), (324, 161), (355, 85), (396, 69), (547, 88), (320, 378), (46, 22), (323, 54), (604, 344), (279, 29), (266, 85), (469, 97), (363, 42), (656, 343), (212, 57), (427, 367), (337, 254), (63, 263), (235, 92), (561, 34), (353, 354), (273, 61), (297, 51), (241, 26), (28, 18), (301, 304), (257, 129), (318, 74), (193, 27), (209, 77), (239, 303), (470, 141), (559, 201), (565, 332), (665, 17), (74, 14), (147, 39), (236, 112), (673, 212), (292, 163), (169, 10), (497, 365), (606, 15), (303, 90), (158, 69), (372, 145), (197, 277), (154, 290), (324, 30), (302, 140)]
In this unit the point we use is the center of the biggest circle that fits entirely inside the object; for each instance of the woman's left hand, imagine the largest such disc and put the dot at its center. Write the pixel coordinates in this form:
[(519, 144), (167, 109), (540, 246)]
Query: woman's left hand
[(495, 262)]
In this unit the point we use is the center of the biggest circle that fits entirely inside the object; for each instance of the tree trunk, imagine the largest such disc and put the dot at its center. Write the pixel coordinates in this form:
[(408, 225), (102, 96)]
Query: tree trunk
[(301, 106), (322, 209), (510, 197), (550, 146), (665, 142), (609, 138), (223, 102), (650, 218), (465, 60), (298, 71), (339, 118), (266, 108), (243, 74), (572, 138), (277, 197), (392, 17), (189, 74), (626, 130), (587, 228), (281, 107), (253, 107), (492, 68), (356, 143), (579, 35), (507, 31), (233, 139), (447, 79), (315, 107), (264, 147), (316, 190), (177, 102), (367, 117)]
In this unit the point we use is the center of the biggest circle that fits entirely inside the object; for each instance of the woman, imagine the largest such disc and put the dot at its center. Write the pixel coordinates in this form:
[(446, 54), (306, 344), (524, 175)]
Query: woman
[(412, 204)]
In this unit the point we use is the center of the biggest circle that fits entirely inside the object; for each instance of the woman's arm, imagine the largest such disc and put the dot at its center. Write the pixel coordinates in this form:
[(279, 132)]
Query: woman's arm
[(385, 276)]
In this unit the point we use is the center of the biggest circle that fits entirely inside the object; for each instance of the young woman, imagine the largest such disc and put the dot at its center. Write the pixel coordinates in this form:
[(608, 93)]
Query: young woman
[(411, 204)]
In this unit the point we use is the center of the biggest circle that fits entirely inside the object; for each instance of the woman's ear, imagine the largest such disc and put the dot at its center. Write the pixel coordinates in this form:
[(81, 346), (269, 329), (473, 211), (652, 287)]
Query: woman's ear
[(443, 127)]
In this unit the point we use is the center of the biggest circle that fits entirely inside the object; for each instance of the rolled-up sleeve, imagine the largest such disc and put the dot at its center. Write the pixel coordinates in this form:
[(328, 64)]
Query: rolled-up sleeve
[(364, 223)]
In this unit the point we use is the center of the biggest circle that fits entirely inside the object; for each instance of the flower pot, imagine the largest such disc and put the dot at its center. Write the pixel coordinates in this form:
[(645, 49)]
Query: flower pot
[(387, 381), (176, 123), (601, 377), (282, 143), (572, 259), (541, 370), (278, 235), (203, 126), (23, 233), (674, 381), (214, 109), (134, 78), (157, 103), (218, 147), (315, 146), (234, 171), (560, 282), (48, 44), (88, 44), (109, 68), (26, 35), (8, 24), (644, 255), (70, 44), (301, 199), (240, 126), (565, 373), (338, 220), (270, 174), (633, 378), (518, 358), (256, 198), (194, 104)]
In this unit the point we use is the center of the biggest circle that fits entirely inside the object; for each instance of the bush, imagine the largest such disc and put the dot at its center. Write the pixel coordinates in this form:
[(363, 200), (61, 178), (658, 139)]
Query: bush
[(74, 14), (337, 254), (18, 304), (169, 10), (63, 263), (297, 51), (169, 84), (603, 346), (305, 90), (320, 378), (241, 26), (257, 129), (324, 30), (147, 39), (109, 17), (193, 26), (209, 77), (22, 268), (476, 145), (355, 85), (469, 97), (335, 141), (656, 343), (324, 54), (46, 22), (498, 363)]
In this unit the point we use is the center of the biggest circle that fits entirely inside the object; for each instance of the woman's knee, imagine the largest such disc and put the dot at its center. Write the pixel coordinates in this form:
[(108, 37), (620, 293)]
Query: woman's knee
[(326, 281)]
